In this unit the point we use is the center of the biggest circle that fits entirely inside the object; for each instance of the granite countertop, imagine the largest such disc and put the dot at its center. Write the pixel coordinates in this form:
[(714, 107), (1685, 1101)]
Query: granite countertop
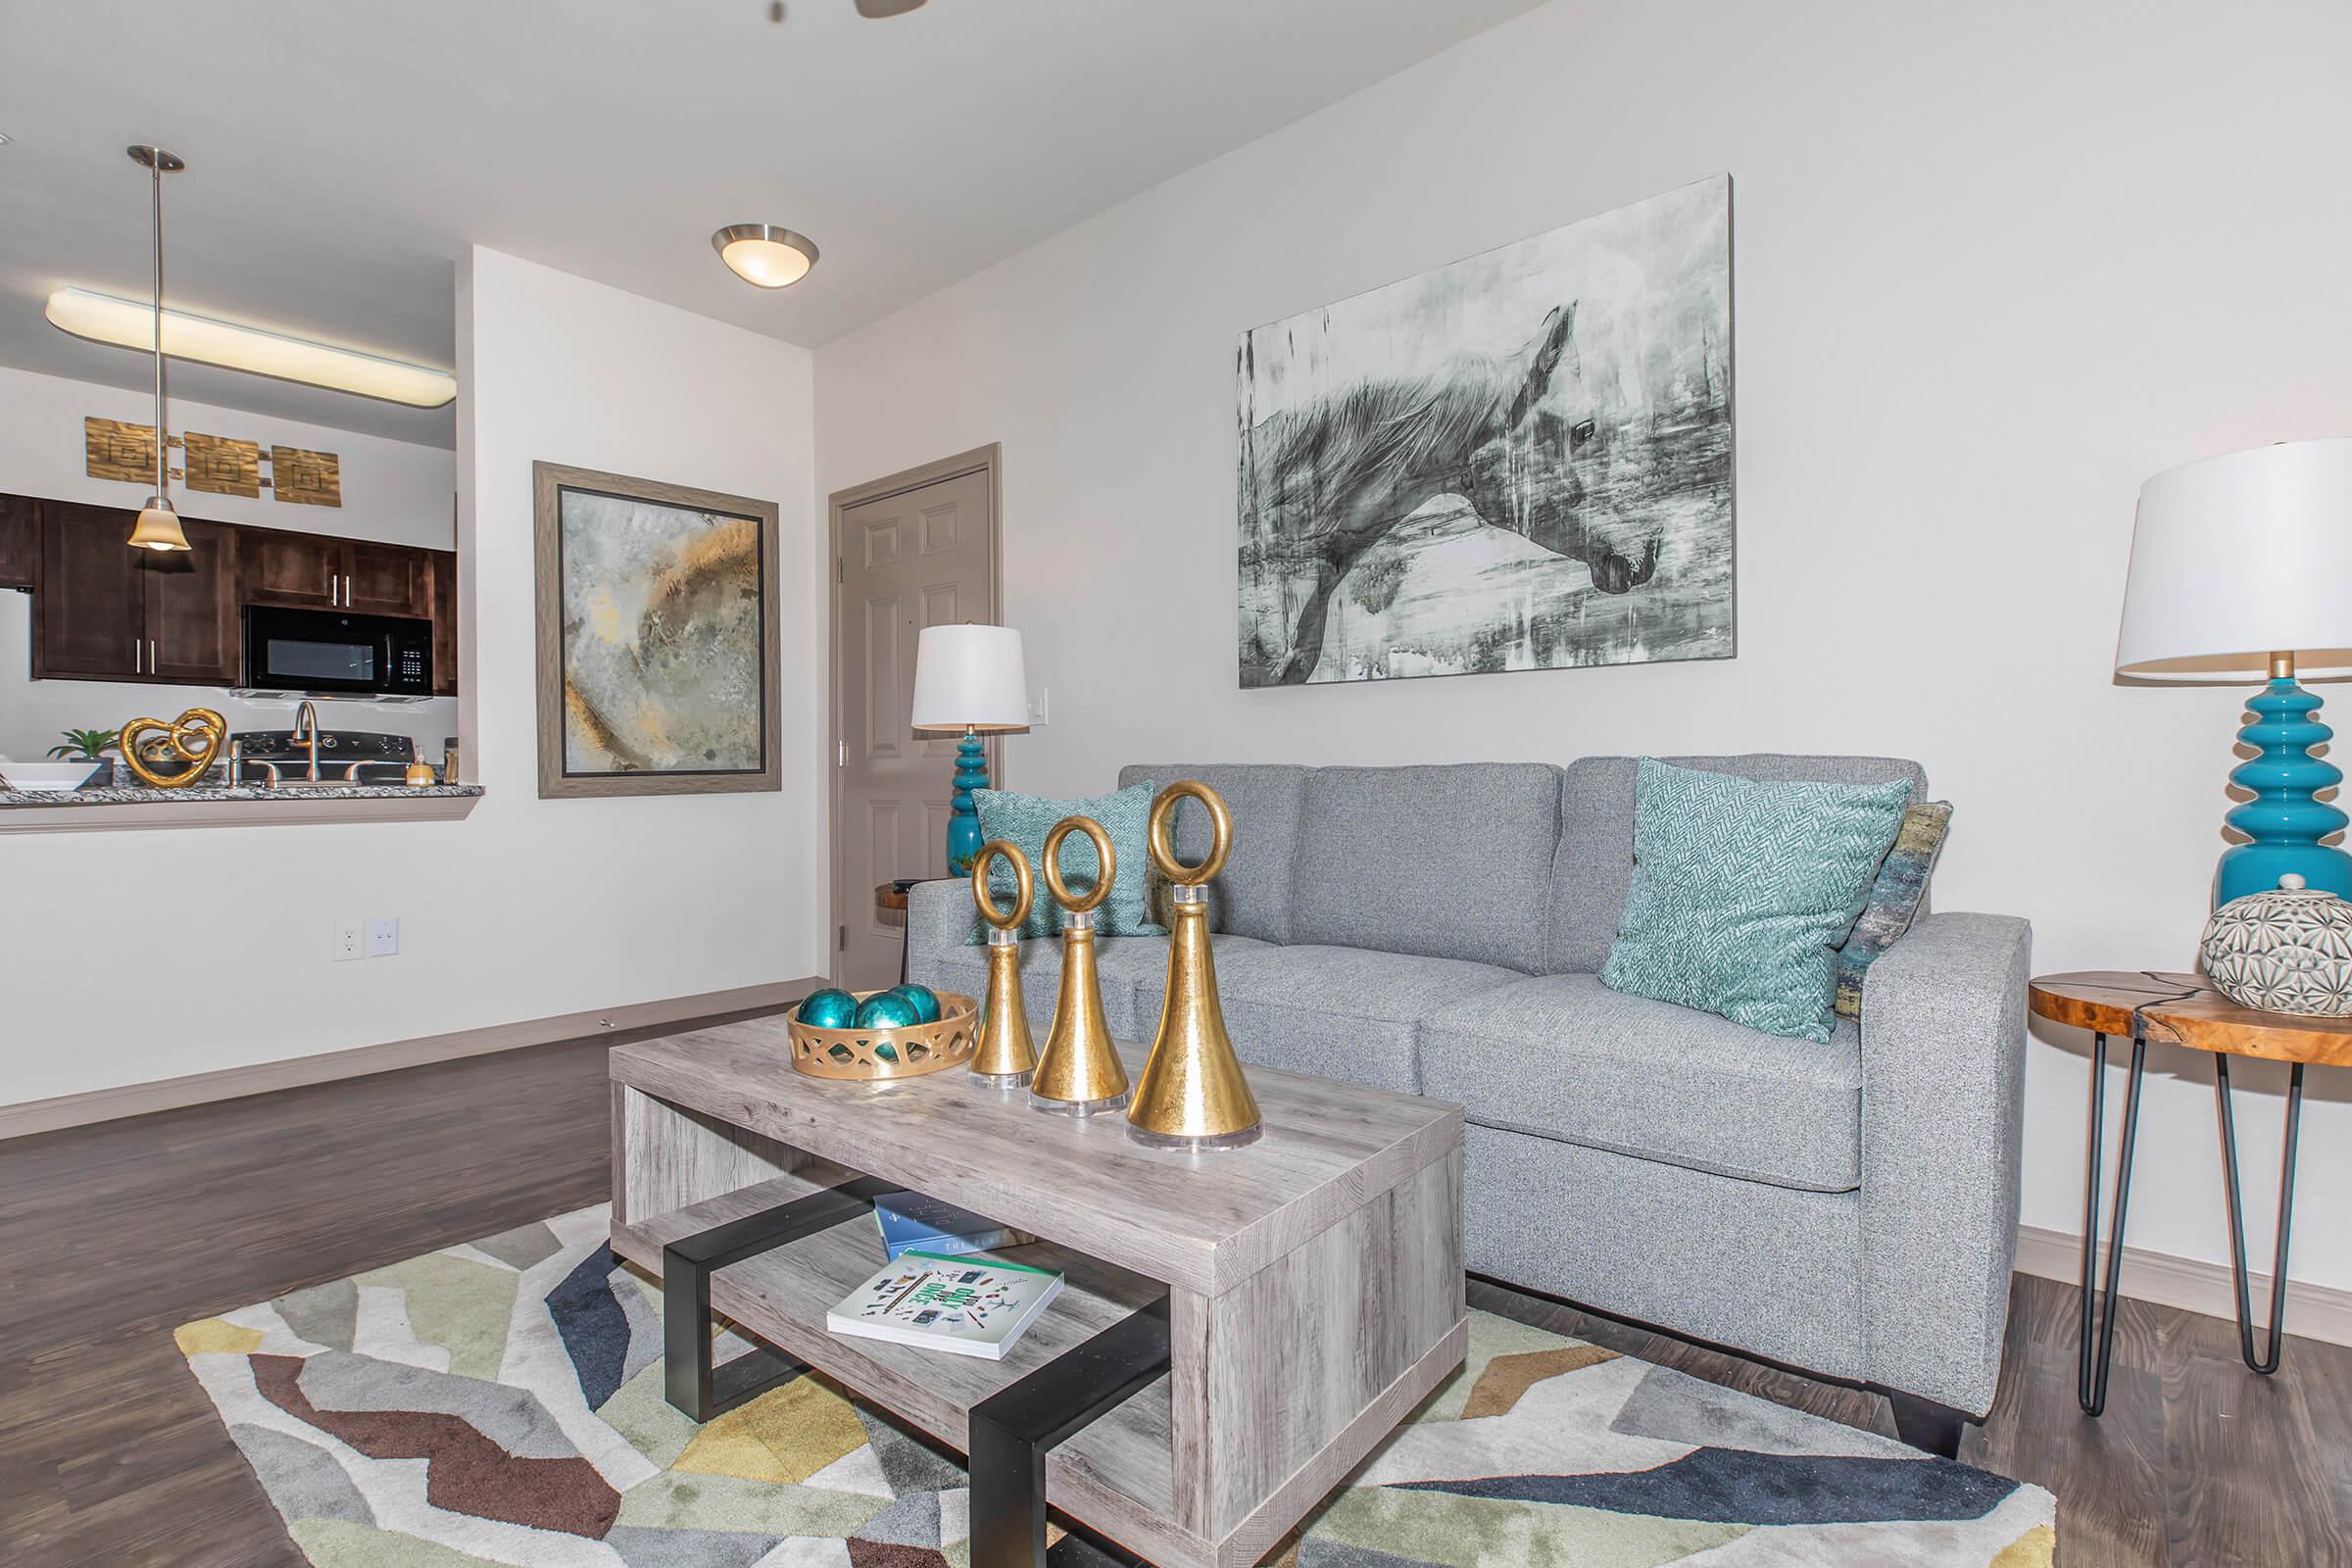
[(141, 794)]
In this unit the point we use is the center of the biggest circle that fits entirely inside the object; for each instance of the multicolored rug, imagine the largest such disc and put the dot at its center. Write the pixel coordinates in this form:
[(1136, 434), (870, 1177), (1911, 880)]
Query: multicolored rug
[(500, 1402)]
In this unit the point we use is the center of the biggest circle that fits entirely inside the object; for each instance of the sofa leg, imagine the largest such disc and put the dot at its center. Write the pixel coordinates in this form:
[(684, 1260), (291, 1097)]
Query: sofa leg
[(1925, 1424)]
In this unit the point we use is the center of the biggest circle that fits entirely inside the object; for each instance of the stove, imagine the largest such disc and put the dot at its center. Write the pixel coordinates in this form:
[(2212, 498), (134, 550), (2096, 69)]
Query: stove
[(357, 755)]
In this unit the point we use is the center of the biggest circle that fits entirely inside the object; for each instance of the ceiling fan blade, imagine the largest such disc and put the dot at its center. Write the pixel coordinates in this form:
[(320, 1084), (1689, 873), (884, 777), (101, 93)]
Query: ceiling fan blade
[(886, 8)]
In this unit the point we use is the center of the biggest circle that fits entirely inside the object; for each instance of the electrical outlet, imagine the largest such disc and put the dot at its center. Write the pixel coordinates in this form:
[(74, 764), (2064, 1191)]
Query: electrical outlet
[(383, 937), (350, 939)]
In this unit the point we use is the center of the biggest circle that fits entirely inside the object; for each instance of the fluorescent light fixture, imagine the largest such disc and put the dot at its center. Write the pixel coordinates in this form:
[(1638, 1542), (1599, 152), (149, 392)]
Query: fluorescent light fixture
[(130, 325), (764, 255)]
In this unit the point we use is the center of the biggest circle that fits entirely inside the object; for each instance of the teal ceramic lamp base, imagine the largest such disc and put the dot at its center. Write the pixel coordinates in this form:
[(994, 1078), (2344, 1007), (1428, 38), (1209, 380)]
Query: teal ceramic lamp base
[(963, 821), (2285, 820)]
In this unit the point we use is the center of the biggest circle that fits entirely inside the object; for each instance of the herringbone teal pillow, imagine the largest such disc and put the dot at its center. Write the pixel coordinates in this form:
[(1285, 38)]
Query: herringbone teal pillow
[(1742, 891), (1026, 819)]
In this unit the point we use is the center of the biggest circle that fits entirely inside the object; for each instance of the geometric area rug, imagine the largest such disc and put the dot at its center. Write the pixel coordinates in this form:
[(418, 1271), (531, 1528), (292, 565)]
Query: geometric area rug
[(500, 1402)]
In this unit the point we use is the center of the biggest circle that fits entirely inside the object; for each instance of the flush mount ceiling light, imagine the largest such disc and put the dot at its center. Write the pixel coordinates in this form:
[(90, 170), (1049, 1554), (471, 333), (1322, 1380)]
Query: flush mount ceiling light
[(104, 319), (764, 255)]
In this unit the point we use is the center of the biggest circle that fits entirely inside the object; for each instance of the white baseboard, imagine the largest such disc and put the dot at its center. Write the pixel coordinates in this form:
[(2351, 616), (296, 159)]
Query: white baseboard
[(169, 1094), (2314, 1312)]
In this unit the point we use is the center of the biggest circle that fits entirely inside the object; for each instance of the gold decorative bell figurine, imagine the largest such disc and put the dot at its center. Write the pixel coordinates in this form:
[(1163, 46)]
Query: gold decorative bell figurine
[(1005, 1057), (1079, 1072), (1191, 1094)]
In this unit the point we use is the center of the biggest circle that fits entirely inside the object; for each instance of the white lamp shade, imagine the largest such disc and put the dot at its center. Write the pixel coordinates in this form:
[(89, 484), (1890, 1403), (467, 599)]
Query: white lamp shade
[(970, 677), (2238, 557)]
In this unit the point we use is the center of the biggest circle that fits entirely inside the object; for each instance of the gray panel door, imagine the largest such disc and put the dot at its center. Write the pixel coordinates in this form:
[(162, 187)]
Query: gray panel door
[(921, 558)]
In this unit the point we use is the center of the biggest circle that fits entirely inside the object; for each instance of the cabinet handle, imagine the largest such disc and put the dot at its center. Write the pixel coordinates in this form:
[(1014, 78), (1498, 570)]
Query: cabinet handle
[(155, 665), (138, 653)]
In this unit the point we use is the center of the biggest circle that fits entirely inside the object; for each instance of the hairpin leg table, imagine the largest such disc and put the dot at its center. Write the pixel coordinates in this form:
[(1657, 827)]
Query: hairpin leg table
[(2180, 1010)]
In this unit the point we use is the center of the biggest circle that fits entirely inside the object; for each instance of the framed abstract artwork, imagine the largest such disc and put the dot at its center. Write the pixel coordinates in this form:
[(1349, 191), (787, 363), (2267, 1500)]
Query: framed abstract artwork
[(1521, 461), (656, 633)]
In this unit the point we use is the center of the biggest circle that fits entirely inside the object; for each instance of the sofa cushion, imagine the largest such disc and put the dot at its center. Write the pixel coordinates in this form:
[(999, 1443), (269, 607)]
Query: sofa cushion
[(1252, 896), (1443, 862), (1594, 867), (1334, 1013), (1563, 1057)]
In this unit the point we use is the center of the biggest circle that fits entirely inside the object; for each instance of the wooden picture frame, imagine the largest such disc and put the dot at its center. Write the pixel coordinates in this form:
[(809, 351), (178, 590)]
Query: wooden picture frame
[(559, 693)]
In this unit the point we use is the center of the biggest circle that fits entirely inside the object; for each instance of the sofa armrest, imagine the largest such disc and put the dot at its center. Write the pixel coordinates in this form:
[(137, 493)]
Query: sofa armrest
[(1943, 1050), (939, 916)]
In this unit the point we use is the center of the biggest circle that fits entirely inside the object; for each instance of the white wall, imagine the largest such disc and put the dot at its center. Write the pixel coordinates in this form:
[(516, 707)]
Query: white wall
[(137, 956), (393, 491), (1994, 266)]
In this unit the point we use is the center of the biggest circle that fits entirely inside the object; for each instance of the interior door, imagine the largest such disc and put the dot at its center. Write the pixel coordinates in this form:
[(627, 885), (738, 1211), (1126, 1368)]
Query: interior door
[(387, 579), (922, 556), (89, 613), (191, 597)]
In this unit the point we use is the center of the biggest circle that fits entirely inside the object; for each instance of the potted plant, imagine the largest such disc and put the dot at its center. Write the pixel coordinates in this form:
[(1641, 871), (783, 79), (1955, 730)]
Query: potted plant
[(90, 746)]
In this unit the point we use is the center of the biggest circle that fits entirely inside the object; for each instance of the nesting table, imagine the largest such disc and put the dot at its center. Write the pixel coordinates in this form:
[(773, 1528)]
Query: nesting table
[(1237, 1329), (2180, 1010)]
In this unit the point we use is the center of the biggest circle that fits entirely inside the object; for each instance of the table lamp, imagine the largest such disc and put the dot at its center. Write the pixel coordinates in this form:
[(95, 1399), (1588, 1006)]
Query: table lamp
[(2241, 566), (970, 678)]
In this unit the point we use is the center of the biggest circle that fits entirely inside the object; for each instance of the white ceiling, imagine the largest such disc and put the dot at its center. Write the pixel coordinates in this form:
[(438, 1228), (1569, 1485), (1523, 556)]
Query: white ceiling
[(342, 156)]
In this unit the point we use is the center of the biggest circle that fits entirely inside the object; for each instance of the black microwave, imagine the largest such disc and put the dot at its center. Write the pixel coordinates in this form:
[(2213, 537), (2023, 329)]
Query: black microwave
[(338, 652)]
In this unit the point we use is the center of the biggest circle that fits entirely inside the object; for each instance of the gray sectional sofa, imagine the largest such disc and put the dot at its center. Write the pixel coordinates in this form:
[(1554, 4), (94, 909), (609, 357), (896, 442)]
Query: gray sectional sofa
[(1848, 1210)]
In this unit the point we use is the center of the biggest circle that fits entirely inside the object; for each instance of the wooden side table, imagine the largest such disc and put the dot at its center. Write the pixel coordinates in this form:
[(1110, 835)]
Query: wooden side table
[(893, 896), (2180, 1009)]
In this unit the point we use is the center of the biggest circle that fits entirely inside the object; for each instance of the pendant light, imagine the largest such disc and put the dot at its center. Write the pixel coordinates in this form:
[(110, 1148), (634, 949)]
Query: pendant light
[(157, 528)]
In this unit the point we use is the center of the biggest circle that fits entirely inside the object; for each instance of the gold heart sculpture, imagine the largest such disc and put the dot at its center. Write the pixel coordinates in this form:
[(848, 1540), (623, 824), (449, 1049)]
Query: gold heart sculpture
[(198, 736)]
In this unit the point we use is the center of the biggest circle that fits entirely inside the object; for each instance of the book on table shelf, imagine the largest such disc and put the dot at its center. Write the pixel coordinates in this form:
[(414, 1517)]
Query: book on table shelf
[(917, 1220), (964, 1305)]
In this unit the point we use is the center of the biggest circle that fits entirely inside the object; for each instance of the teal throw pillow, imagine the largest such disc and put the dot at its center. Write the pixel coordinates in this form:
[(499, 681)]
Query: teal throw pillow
[(1743, 890), (1026, 819)]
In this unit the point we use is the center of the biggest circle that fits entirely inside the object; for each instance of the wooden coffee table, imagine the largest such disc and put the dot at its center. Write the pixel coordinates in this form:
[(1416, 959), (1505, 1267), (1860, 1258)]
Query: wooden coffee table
[(1237, 1329)]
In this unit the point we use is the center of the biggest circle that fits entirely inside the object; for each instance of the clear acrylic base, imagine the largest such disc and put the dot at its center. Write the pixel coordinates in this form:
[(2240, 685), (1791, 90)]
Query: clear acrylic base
[(1241, 1140), (1080, 1108), (997, 1083)]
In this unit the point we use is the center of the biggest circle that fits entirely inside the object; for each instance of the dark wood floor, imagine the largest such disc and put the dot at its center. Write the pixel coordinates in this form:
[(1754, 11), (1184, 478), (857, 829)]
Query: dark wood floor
[(110, 1235)]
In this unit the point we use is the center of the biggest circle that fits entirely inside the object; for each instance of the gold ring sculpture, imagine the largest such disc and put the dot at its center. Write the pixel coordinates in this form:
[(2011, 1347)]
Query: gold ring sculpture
[(1079, 1072), (1191, 1094), (198, 737), (1007, 1056)]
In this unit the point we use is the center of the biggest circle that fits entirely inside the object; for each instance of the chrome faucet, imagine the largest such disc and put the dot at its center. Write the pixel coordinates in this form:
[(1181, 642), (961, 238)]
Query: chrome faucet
[(305, 734)]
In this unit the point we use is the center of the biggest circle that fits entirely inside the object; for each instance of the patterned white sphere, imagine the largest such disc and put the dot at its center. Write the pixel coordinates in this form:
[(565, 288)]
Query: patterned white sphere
[(2285, 951)]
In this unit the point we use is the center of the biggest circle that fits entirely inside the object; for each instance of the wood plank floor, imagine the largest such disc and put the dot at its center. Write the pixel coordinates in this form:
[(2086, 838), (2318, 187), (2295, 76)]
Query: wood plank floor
[(110, 1235)]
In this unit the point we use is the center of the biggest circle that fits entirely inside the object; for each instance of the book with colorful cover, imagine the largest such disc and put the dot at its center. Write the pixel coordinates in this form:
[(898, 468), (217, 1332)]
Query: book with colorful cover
[(963, 1305), (912, 1220)]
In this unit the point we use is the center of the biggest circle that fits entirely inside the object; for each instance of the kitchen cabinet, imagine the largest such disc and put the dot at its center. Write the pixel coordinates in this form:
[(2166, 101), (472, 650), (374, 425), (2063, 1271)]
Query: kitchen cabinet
[(387, 579), (103, 611), (20, 541), (190, 603), (325, 574), (89, 612), (445, 623), (291, 568)]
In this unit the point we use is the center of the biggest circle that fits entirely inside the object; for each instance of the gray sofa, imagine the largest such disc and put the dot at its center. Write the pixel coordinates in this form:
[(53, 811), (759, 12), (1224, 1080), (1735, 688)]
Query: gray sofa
[(1848, 1210)]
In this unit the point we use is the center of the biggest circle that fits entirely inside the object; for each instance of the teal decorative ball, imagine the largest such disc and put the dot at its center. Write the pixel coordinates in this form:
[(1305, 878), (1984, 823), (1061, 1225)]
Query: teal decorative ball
[(886, 1009), (829, 1008), (925, 1000)]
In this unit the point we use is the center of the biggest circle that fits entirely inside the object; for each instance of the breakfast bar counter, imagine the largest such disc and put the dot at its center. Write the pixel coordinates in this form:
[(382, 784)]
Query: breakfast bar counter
[(230, 806)]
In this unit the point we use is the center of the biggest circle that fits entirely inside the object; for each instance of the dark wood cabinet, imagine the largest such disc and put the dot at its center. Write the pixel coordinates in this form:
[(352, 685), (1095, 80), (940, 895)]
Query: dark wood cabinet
[(191, 605), (89, 610), (291, 568), (445, 623), (20, 541), (387, 579), (103, 611)]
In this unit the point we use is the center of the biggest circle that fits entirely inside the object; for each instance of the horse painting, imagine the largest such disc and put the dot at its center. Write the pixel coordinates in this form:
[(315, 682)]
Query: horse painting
[(1384, 461)]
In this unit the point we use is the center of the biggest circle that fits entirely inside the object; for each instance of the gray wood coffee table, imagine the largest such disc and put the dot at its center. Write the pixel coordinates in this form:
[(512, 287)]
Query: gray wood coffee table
[(1237, 1329)]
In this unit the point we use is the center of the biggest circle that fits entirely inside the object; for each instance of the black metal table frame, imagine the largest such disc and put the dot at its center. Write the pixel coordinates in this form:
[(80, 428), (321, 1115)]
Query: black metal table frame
[(1010, 1431), (2097, 1349)]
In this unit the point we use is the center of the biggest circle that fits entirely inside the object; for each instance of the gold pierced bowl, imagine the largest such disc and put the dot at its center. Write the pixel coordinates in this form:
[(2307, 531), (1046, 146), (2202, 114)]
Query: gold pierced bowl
[(880, 1055)]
